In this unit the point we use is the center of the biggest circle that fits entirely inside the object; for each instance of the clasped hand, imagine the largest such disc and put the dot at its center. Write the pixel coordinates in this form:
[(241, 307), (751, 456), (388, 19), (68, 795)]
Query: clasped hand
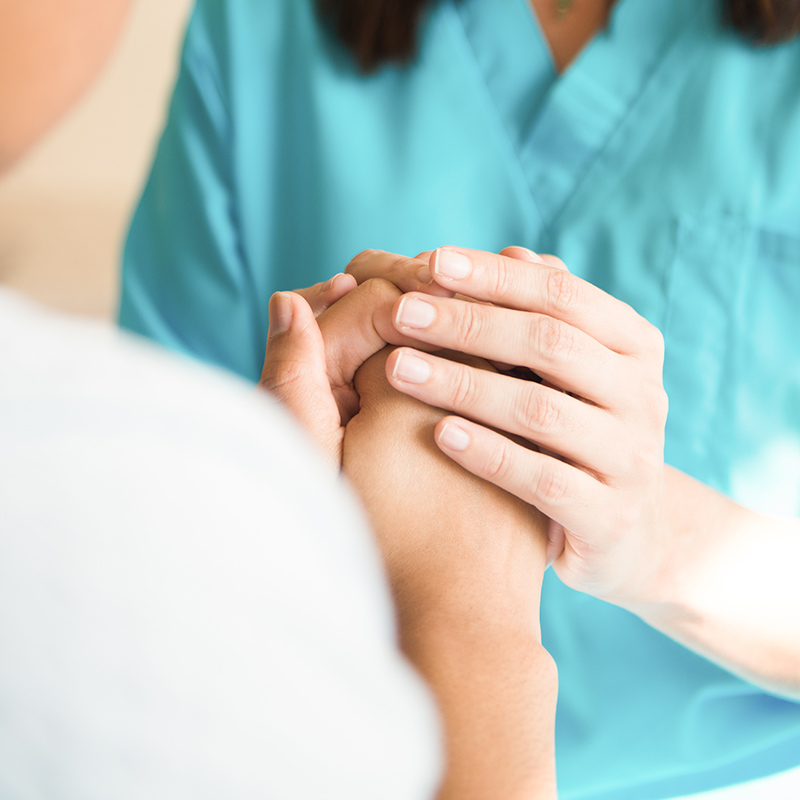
[(326, 357), (465, 558), (593, 428), (583, 444)]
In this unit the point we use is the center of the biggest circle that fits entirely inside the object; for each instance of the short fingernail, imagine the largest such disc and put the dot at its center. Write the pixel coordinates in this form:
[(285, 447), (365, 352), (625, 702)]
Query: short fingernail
[(451, 264), (332, 282), (280, 313), (415, 313), (454, 438), (534, 257), (424, 275), (411, 369)]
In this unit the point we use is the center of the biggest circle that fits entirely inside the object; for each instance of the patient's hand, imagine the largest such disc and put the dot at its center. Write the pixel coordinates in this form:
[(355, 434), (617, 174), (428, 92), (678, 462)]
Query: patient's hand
[(465, 560), (318, 338), (448, 538)]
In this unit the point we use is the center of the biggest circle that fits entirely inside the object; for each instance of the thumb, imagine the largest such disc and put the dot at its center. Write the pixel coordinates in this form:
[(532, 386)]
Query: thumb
[(295, 371), (321, 296)]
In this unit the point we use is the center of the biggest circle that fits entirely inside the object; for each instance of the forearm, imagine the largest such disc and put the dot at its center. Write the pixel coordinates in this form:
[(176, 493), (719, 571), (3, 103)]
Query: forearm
[(474, 635), (466, 562), (729, 587), (496, 690)]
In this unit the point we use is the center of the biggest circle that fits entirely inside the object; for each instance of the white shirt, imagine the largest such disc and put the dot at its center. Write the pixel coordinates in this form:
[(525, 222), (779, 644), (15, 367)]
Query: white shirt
[(190, 603)]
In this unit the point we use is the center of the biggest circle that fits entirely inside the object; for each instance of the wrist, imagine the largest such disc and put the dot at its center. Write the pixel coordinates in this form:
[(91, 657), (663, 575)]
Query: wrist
[(466, 617), (726, 588), (685, 540), (497, 693)]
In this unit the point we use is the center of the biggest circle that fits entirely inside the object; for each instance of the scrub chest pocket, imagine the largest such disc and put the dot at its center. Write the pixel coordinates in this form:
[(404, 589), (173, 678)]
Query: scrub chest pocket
[(732, 367)]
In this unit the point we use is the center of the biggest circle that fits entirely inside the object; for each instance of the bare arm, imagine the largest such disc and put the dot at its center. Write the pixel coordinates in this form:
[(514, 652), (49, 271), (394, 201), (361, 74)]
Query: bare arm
[(631, 530), (626, 528), (466, 562), (727, 586), (465, 558)]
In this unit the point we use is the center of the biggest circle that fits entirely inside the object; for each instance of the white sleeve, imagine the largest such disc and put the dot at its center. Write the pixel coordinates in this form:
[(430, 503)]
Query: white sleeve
[(190, 606)]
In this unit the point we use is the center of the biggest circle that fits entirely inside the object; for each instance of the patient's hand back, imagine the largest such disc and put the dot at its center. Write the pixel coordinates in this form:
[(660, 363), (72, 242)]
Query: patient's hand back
[(450, 540)]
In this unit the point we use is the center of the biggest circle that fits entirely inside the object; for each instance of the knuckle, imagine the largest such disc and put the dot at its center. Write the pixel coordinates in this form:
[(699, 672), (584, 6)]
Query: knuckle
[(646, 462), (551, 484), (278, 376), (554, 340), (369, 253), (624, 518), (499, 463), (471, 325), (380, 290), (357, 260), (464, 389), (563, 292), (538, 412), (502, 282)]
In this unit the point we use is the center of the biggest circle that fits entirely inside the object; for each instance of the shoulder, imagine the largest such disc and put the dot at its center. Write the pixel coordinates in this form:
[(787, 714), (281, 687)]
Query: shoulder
[(164, 446), (248, 28), (172, 543), (752, 80)]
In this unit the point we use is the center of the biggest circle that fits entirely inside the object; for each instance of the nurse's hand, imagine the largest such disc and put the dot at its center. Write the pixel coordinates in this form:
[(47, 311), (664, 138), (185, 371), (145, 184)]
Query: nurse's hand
[(597, 420), (318, 338)]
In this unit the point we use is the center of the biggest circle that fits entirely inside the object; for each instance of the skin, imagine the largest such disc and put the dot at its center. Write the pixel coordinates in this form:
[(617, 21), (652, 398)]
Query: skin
[(342, 324), (466, 562), (625, 527), (650, 538), (465, 559), (50, 51), (567, 35)]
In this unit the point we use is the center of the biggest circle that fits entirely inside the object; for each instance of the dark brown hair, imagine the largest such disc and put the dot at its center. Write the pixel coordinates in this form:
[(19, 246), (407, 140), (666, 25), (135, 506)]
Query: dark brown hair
[(385, 31)]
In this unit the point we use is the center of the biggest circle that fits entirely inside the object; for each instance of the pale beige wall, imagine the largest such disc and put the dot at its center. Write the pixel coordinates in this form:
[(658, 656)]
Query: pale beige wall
[(65, 208)]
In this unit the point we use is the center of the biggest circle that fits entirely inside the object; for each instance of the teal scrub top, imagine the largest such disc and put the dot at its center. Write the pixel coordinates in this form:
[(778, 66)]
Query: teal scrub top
[(663, 165)]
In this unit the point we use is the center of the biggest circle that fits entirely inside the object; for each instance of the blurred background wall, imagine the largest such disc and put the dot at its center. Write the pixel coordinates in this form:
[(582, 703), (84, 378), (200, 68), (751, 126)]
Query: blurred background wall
[(65, 208)]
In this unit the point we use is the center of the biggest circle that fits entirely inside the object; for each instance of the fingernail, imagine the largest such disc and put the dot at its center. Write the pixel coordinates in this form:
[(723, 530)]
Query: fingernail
[(450, 264), (411, 369), (454, 438), (415, 313), (424, 275), (280, 313), (329, 284), (534, 257)]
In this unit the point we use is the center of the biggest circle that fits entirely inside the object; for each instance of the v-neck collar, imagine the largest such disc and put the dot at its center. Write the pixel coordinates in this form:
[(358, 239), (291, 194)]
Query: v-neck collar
[(512, 55), (560, 124)]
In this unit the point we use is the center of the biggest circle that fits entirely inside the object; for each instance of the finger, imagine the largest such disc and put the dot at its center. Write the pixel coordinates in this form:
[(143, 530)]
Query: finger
[(555, 350), (523, 254), (554, 261), (549, 418), (545, 289), (323, 295), (560, 491), (295, 371), (354, 329), (407, 274)]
